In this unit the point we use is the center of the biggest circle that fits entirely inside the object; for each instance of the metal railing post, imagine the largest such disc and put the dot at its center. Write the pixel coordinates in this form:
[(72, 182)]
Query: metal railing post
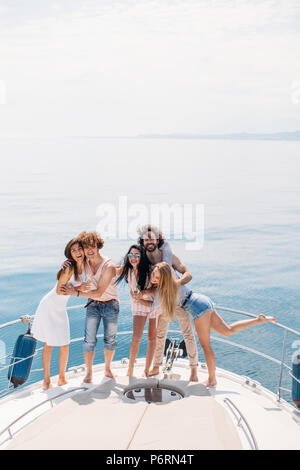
[(281, 365)]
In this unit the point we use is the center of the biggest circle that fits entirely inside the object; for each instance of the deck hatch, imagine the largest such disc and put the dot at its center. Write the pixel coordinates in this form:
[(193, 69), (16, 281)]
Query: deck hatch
[(153, 394)]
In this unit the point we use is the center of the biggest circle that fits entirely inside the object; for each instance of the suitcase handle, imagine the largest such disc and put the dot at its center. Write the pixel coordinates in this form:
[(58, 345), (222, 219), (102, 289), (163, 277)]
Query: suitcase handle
[(27, 319)]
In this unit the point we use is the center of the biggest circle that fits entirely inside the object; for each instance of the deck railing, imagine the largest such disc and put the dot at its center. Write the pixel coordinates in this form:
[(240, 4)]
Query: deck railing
[(282, 365), (49, 400)]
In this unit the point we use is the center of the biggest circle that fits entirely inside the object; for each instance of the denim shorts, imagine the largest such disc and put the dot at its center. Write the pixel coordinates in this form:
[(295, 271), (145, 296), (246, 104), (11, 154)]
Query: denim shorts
[(197, 305), (109, 314)]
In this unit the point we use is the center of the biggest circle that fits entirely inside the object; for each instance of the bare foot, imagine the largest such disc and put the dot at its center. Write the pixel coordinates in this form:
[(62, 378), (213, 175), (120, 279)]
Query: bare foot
[(62, 381), (47, 384), (263, 319), (210, 383), (153, 371), (194, 376), (88, 379), (145, 374), (108, 373)]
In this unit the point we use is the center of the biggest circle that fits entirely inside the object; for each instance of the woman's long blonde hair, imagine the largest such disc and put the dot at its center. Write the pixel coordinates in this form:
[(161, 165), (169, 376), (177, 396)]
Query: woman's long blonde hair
[(168, 290)]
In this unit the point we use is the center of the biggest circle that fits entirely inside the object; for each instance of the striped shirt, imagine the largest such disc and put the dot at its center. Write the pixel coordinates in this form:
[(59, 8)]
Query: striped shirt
[(136, 307)]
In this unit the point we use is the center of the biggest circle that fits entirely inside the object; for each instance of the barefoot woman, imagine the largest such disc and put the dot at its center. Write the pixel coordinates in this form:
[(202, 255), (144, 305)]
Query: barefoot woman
[(51, 323), (136, 271), (205, 317), (157, 250)]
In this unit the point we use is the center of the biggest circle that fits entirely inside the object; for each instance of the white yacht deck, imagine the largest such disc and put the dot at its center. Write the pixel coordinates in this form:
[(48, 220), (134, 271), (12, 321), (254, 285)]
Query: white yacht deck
[(238, 414)]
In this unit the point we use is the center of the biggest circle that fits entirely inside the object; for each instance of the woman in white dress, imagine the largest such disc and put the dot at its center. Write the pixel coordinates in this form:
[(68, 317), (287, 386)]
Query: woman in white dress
[(51, 322)]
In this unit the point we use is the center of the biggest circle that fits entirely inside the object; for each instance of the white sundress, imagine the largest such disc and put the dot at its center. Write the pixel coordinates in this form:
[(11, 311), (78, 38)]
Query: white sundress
[(51, 321)]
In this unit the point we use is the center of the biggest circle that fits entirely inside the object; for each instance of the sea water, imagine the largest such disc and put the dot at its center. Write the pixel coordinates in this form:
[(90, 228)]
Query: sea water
[(51, 189)]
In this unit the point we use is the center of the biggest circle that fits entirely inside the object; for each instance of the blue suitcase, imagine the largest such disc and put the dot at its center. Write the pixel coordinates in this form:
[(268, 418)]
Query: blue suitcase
[(295, 383), (24, 348)]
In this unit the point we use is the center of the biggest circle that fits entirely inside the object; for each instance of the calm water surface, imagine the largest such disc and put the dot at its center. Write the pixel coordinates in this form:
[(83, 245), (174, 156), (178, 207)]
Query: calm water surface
[(51, 189)]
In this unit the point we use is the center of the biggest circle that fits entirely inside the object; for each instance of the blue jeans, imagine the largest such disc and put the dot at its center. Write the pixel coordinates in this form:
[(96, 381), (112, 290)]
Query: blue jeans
[(197, 305), (109, 314)]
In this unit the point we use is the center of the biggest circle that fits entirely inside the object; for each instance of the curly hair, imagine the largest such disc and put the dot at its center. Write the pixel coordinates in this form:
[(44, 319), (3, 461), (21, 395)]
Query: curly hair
[(145, 230), (91, 239)]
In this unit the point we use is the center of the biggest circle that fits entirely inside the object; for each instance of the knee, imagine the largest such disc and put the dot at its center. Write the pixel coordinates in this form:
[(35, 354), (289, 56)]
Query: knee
[(206, 347), (151, 337), (136, 339), (90, 341), (161, 336), (227, 332), (189, 336), (110, 342)]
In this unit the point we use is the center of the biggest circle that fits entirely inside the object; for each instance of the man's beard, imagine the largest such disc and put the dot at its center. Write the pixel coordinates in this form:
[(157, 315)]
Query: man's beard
[(153, 248)]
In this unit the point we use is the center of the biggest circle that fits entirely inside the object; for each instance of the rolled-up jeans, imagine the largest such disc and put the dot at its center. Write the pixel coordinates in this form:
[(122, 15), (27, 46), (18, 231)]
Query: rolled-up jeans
[(95, 312), (186, 327)]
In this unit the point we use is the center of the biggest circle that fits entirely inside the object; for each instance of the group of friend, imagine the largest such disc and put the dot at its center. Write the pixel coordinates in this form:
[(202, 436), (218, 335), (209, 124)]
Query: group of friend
[(158, 282)]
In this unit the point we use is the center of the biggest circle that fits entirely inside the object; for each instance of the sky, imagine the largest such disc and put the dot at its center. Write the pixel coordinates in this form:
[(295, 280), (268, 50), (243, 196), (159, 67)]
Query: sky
[(131, 67)]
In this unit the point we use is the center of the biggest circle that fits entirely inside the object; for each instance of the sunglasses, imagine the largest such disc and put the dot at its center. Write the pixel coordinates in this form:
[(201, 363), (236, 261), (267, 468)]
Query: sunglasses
[(136, 256)]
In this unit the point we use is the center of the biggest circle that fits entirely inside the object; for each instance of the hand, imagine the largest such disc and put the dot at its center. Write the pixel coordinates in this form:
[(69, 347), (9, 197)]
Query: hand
[(85, 286), (119, 270), (65, 290), (136, 296), (66, 264)]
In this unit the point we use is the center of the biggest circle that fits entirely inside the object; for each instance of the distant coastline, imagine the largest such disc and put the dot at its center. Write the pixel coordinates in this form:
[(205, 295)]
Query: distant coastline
[(285, 136), (292, 136), (275, 136)]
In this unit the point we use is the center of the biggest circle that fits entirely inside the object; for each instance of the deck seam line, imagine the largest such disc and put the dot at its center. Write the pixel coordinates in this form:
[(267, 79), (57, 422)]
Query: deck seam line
[(137, 427)]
